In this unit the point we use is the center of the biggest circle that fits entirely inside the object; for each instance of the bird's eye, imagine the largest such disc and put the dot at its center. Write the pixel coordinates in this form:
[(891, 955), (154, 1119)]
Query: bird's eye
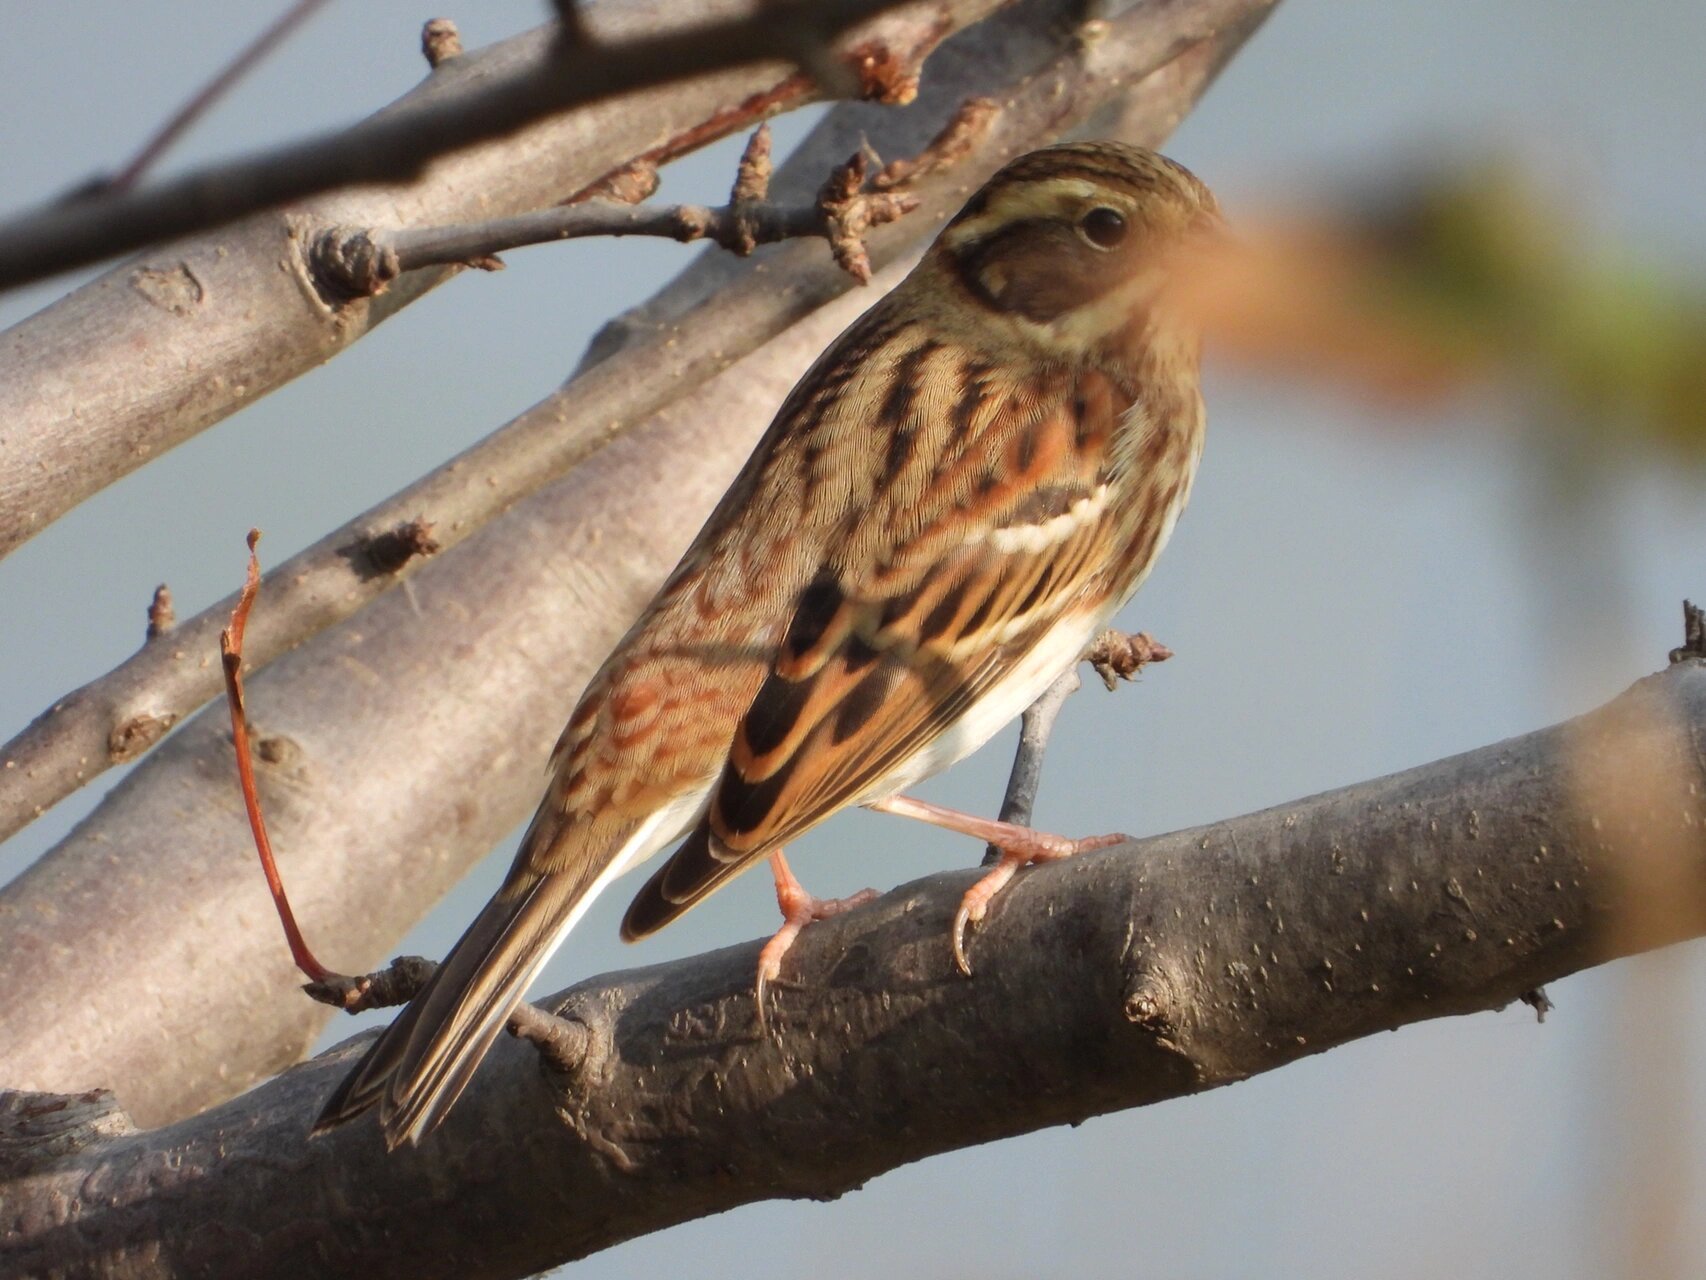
[(1103, 227)]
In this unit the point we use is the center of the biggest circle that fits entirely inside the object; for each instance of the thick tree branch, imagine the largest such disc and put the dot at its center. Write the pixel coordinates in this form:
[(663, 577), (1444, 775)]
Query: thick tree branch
[(666, 351), (162, 347), (1164, 967)]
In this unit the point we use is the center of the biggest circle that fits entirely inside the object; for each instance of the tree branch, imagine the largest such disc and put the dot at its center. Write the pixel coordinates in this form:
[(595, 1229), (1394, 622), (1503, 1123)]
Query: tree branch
[(666, 351), (158, 349), (1161, 968), (569, 72), (363, 262)]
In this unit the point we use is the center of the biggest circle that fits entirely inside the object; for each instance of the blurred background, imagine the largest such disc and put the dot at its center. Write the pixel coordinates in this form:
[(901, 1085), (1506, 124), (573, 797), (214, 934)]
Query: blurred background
[(1366, 581)]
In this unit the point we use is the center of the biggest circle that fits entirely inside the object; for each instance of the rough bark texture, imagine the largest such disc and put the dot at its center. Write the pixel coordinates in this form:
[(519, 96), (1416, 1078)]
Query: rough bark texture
[(408, 740), (717, 311), (166, 345), (1163, 967)]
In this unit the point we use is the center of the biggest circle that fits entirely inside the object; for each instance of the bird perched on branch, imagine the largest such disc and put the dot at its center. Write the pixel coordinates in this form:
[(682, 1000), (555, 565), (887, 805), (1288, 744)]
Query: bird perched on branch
[(948, 507)]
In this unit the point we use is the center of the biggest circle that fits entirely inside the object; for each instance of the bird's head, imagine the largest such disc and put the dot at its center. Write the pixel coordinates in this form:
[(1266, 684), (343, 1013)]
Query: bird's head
[(1069, 247)]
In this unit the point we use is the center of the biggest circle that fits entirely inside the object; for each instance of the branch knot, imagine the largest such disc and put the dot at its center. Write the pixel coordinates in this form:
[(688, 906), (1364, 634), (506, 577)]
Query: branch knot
[(348, 262)]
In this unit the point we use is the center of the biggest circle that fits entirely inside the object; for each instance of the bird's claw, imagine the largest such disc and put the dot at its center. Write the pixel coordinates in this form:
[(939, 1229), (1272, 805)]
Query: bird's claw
[(799, 909), (962, 918), (1037, 846)]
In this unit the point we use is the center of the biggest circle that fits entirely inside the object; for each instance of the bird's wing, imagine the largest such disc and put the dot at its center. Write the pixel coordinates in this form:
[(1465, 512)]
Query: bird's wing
[(992, 527)]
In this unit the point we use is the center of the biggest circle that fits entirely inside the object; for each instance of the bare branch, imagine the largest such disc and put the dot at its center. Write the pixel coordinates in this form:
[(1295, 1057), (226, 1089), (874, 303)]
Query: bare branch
[(156, 350), (1162, 968), (209, 94), (1035, 727), (115, 718), (383, 788), (389, 148), (363, 262)]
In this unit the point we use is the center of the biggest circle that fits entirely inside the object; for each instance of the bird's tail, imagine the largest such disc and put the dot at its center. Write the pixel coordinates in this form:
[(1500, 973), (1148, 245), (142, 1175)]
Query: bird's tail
[(421, 1063)]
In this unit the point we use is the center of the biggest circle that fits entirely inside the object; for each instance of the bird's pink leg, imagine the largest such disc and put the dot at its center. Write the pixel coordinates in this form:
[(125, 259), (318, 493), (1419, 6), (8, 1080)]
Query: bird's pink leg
[(1018, 846), (799, 909)]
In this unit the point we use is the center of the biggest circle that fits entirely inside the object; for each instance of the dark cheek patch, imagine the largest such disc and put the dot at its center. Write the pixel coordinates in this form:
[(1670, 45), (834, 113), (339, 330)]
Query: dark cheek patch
[(1039, 270)]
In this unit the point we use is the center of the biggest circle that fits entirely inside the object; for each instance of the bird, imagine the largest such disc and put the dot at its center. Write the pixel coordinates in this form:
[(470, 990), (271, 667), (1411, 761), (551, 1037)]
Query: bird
[(949, 505)]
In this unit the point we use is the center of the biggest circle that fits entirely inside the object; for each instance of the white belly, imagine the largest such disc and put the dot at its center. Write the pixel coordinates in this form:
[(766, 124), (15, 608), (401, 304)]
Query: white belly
[(1004, 702)]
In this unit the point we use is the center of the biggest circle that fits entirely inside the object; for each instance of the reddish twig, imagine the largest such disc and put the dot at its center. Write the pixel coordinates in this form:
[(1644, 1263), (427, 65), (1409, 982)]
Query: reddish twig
[(211, 92), (231, 656)]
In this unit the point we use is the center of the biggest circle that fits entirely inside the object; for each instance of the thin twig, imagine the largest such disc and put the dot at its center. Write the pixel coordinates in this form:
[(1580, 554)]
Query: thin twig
[(1034, 729), (231, 659), (959, 138), (362, 262), (1115, 656), (396, 147), (211, 92)]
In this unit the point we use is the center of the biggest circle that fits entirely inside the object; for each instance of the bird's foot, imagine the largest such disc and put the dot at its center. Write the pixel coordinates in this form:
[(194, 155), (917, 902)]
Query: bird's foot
[(1018, 846), (1022, 849), (799, 909)]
